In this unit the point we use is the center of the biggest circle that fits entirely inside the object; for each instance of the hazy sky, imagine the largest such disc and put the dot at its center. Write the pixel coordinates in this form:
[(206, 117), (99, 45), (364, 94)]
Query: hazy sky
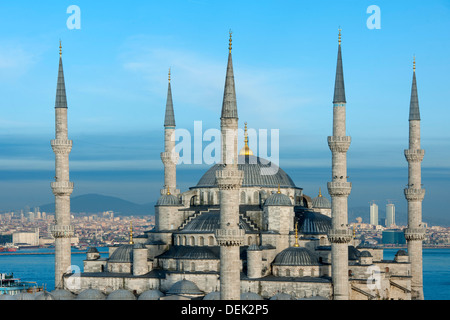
[(284, 55)]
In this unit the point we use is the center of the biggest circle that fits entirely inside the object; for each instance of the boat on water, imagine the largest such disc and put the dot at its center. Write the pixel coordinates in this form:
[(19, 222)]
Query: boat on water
[(9, 247), (12, 286)]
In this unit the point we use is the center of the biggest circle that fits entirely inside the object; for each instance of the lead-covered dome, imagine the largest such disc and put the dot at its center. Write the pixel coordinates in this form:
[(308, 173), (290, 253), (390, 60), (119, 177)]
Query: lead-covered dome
[(320, 202), (168, 200), (313, 223), (296, 256), (278, 199), (123, 253), (258, 172)]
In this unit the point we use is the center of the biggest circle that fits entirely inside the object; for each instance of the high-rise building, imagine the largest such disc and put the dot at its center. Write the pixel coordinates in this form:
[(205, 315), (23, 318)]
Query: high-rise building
[(390, 215), (374, 214)]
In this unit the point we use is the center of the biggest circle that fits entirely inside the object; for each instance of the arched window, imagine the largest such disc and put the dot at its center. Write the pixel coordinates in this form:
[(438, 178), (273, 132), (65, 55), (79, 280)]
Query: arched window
[(256, 197), (243, 200), (288, 273), (192, 241), (192, 266), (201, 241), (211, 241)]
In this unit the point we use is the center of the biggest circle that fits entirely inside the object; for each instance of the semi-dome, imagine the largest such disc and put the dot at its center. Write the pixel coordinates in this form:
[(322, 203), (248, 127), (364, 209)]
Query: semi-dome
[(121, 294), (123, 253), (320, 202), (278, 199), (258, 172), (185, 287), (296, 256), (191, 253), (401, 252), (365, 254), (310, 222), (168, 200), (208, 222)]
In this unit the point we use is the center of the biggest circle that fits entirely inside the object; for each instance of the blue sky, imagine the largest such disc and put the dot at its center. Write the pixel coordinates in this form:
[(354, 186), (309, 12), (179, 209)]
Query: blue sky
[(284, 55)]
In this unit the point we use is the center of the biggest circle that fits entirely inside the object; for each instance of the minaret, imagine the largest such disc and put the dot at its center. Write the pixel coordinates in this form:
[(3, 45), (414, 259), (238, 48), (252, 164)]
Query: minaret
[(229, 179), (415, 233), (62, 188), (339, 189), (169, 157)]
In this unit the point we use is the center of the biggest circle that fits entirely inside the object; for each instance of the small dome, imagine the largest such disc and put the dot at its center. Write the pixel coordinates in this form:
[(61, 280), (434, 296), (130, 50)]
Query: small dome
[(282, 296), (320, 202), (215, 295), (168, 200), (91, 294), (151, 295), (121, 294), (253, 247), (296, 256), (401, 253), (278, 199), (92, 250), (43, 295), (353, 253), (61, 294), (184, 287), (250, 296), (366, 254), (122, 254)]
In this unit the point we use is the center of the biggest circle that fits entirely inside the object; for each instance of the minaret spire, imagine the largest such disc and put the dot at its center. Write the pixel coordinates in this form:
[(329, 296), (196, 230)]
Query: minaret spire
[(414, 112), (229, 105), (169, 120), (61, 99), (339, 88)]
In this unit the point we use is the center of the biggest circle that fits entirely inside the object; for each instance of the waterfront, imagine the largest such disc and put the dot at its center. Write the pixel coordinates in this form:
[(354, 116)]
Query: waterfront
[(40, 268)]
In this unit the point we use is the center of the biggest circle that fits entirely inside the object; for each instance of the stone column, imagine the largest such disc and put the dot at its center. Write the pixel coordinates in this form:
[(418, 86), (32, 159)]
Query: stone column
[(62, 188)]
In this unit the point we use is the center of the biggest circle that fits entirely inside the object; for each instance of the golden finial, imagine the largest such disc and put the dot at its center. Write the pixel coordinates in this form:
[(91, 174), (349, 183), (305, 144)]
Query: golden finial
[(168, 191), (414, 64), (169, 75), (229, 48), (245, 151), (340, 35), (131, 232), (279, 191), (60, 48), (296, 236), (320, 192)]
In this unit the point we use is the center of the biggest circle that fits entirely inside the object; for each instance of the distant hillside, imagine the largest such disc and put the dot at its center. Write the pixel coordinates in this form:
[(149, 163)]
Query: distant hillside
[(95, 203)]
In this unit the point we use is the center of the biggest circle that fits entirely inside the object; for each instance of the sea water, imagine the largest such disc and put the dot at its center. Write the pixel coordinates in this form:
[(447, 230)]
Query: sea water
[(41, 268)]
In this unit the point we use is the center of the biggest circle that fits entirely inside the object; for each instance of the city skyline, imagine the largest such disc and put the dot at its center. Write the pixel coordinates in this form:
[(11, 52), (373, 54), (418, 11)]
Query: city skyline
[(284, 63)]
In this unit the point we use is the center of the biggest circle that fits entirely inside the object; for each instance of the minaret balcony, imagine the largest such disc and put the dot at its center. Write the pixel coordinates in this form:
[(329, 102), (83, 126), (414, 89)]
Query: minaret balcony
[(414, 155), (415, 234), (412, 194), (59, 231), (340, 235), (229, 179), (339, 144), (169, 158), (61, 146), (230, 237), (339, 189), (62, 187)]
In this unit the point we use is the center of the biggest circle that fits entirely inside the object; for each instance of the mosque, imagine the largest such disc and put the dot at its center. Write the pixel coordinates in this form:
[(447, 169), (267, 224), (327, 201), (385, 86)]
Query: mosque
[(242, 234)]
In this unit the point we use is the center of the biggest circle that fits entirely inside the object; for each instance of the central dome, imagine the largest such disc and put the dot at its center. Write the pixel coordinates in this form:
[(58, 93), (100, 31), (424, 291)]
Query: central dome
[(258, 172)]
